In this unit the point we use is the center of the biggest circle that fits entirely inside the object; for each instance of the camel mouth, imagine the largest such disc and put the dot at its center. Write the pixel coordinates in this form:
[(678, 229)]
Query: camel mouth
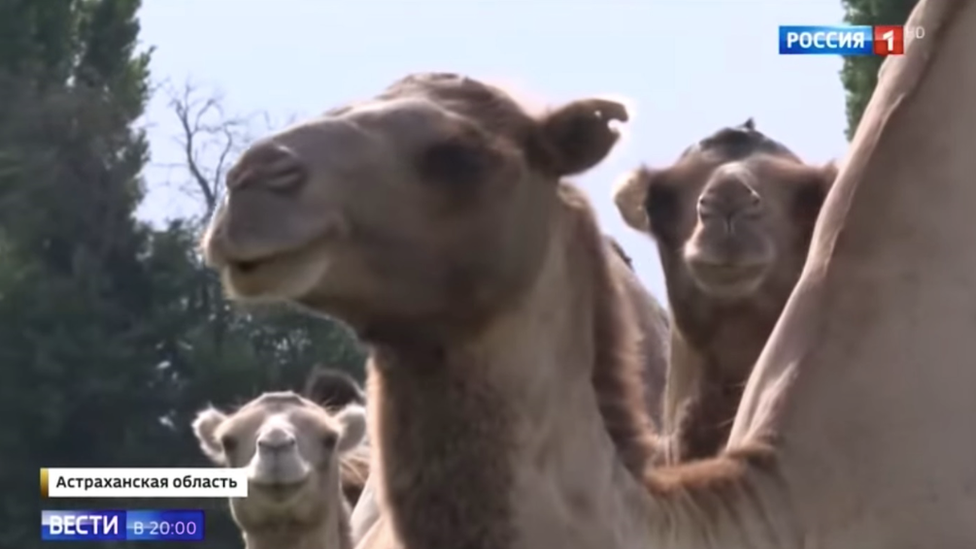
[(250, 266), (278, 489), (246, 267), (245, 272), (289, 274), (258, 261), (253, 264), (729, 280)]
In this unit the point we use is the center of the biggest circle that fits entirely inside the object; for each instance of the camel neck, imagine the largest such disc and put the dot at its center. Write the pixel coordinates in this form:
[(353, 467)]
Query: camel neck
[(712, 353), (499, 442)]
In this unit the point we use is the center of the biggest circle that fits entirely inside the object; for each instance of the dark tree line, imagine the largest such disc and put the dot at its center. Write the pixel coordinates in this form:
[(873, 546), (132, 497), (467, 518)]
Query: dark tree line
[(112, 333)]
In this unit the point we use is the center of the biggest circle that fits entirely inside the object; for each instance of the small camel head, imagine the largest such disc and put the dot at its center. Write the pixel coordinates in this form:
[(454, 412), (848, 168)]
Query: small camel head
[(734, 212), (430, 201), (290, 448)]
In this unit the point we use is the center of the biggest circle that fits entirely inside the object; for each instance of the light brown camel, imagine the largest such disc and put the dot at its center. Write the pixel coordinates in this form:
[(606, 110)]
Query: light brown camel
[(505, 366), (732, 219), (291, 448), (505, 411)]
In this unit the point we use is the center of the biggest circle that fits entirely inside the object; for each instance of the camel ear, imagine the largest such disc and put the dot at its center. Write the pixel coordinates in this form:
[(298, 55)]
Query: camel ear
[(630, 195), (333, 389), (813, 191), (205, 428), (579, 135), (353, 420)]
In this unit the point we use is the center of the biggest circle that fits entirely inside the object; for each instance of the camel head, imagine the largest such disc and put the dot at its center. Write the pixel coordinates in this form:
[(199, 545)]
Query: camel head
[(290, 448), (731, 217), (427, 205)]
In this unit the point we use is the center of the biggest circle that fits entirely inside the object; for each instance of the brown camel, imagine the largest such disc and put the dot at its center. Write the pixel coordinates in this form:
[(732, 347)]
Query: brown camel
[(291, 448), (732, 219), (504, 404), (505, 367), (334, 390)]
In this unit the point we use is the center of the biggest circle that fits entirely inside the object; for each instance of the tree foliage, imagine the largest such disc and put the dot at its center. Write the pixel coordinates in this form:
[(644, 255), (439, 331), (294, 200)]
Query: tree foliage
[(112, 332), (860, 73)]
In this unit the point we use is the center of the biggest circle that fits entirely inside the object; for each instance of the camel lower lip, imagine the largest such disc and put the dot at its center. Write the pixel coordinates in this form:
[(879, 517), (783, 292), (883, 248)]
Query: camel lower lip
[(729, 280), (732, 277), (276, 488), (731, 273), (251, 265)]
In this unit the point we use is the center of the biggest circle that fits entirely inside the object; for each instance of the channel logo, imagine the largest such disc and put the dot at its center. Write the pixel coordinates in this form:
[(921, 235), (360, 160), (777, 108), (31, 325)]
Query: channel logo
[(842, 40)]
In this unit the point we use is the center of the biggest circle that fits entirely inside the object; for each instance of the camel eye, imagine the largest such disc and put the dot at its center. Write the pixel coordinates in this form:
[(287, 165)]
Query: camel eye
[(457, 162), (228, 443), (329, 441)]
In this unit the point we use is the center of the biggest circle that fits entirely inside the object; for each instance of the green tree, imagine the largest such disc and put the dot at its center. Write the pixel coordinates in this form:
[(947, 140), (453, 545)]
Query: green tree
[(860, 73), (79, 368), (112, 332)]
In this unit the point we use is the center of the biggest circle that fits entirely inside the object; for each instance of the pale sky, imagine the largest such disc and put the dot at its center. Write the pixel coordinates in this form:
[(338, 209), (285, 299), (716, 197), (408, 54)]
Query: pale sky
[(689, 66)]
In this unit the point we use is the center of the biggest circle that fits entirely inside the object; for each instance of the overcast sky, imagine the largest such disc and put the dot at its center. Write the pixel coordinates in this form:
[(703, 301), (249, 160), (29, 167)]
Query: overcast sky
[(690, 66)]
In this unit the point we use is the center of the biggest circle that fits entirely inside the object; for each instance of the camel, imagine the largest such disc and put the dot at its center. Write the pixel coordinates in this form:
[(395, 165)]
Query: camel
[(504, 364), (732, 219), (334, 390), (504, 404), (291, 448)]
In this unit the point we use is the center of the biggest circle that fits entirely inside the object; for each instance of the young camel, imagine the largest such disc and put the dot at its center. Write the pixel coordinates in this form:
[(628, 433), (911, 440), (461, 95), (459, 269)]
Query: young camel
[(291, 448), (732, 219), (504, 410)]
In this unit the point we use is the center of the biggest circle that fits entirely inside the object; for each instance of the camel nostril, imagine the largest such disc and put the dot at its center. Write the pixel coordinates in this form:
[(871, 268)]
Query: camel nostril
[(268, 165), (276, 442), (275, 446), (706, 207), (285, 177)]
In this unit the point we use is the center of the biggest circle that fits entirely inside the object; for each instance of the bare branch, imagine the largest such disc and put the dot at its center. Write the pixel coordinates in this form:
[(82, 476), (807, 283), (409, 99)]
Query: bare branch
[(208, 139)]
